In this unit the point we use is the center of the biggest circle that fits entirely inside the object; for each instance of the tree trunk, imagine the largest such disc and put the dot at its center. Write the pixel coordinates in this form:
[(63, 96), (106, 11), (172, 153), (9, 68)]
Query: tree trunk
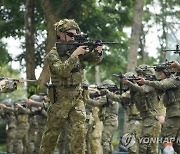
[(97, 75), (135, 34), (51, 39), (29, 44), (134, 43)]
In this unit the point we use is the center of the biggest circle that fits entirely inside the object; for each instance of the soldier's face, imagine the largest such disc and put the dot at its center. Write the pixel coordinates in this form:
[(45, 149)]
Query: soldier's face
[(162, 75), (68, 35)]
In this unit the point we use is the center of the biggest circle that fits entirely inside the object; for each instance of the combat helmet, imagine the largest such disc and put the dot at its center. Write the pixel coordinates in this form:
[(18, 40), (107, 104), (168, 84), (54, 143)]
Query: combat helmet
[(107, 83), (129, 74), (37, 98), (65, 25), (145, 69)]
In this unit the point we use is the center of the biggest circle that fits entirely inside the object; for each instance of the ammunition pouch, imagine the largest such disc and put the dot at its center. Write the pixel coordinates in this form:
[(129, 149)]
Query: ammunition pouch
[(52, 94), (68, 93), (22, 118)]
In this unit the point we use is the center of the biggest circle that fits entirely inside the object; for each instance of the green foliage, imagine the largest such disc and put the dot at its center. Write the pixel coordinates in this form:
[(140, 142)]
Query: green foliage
[(5, 57), (103, 20)]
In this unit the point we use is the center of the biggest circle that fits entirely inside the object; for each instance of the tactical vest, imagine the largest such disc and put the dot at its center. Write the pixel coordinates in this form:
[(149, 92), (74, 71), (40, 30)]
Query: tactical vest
[(171, 100), (74, 80), (147, 103), (22, 118), (109, 109), (130, 106)]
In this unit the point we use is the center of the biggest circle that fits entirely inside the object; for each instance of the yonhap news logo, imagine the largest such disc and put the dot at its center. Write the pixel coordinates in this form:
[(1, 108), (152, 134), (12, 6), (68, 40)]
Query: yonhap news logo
[(128, 140)]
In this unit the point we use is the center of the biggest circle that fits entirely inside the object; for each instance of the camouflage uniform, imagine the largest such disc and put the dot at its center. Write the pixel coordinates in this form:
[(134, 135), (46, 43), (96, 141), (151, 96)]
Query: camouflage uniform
[(171, 99), (21, 141), (95, 133), (134, 118), (32, 134), (10, 128), (39, 115), (66, 76), (41, 118), (108, 114)]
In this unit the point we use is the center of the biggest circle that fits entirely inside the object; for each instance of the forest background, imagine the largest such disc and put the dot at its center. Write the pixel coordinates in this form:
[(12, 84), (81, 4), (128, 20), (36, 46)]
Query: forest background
[(32, 22)]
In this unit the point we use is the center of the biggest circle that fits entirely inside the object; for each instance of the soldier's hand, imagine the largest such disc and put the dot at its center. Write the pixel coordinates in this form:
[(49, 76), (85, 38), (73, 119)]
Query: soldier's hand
[(29, 102), (161, 119), (3, 83), (2, 105), (17, 105), (79, 51), (99, 49), (174, 64), (141, 81)]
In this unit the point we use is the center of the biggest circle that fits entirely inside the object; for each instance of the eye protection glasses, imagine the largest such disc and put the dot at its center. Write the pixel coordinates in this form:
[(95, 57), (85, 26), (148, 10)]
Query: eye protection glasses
[(70, 34)]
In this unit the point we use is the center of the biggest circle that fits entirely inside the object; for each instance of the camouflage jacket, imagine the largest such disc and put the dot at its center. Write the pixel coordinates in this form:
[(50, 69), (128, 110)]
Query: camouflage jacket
[(171, 97), (68, 71), (146, 99), (127, 103), (106, 107)]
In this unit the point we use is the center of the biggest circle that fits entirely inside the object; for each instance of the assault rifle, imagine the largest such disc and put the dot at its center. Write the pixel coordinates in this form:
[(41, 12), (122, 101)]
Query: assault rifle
[(16, 80), (93, 95), (80, 40), (135, 78), (111, 88), (176, 51), (162, 66)]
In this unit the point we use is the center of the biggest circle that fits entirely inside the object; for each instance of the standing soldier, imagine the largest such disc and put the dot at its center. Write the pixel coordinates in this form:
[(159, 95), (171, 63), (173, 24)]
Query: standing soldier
[(108, 114), (66, 100), (171, 99), (134, 119), (21, 113), (149, 106), (10, 119)]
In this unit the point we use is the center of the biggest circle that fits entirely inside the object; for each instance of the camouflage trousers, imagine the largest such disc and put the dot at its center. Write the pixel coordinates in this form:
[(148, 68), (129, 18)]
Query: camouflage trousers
[(21, 141), (150, 131), (110, 124), (65, 108), (32, 136), (64, 139), (134, 128), (11, 132), (171, 132)]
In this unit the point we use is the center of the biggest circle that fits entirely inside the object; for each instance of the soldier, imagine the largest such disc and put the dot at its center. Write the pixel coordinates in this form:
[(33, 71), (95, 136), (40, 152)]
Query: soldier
[(94, 134), (66, 100), (134, 119), (171, 99), (149, 106), (9, 117), (21, 113), (40, 103), (108, 114), (7, 86)]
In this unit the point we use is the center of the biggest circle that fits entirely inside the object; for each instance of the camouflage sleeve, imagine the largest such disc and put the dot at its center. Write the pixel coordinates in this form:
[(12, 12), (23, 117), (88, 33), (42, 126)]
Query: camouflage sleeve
[(93, 57), (8, 109), (97, 102), (57, 66), (165, 84), (37, 104), (24, 110), (139, 89), (114, 97)]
